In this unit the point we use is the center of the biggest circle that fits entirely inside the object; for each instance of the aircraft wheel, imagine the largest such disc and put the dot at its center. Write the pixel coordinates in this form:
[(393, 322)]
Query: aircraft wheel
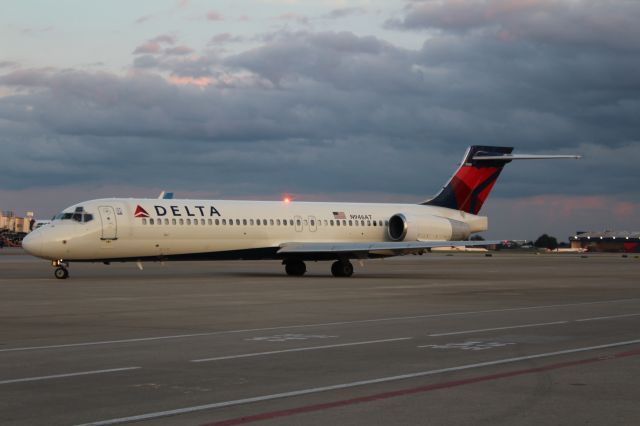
[(342, 268), (61, 273), (295, 268)]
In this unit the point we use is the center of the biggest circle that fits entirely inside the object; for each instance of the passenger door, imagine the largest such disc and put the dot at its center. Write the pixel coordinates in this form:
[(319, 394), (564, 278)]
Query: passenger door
[(109, 223)]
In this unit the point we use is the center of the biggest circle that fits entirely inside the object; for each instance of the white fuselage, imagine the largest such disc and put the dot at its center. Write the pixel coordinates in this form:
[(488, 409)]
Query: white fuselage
[(129, 229)]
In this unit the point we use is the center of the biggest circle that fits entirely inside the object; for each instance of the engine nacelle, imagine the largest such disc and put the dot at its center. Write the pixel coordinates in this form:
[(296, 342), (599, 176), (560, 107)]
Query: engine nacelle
[(403, 227)]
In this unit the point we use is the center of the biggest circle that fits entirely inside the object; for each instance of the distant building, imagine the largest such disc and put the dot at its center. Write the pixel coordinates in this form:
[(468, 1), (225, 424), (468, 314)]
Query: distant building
[(10, 222), (609, 241)]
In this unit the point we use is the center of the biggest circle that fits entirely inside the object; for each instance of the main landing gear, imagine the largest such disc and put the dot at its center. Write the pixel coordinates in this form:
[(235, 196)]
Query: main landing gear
[(342, 268), (62, 271), (295, 268)]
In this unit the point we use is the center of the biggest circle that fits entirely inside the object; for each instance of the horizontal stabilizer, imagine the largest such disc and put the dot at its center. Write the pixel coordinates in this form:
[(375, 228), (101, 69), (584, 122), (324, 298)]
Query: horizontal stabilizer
[(509, 157)]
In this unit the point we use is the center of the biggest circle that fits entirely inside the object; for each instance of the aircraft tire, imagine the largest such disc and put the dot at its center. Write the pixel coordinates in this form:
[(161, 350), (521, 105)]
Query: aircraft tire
[(342, 268), (295, 268), (61, 273)]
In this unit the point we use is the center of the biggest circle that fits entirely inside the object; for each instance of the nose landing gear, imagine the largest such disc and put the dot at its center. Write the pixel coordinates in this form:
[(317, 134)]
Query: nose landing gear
[(62, 271)]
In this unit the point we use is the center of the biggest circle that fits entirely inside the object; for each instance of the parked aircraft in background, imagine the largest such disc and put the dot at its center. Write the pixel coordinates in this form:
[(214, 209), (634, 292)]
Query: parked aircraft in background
[(137, 230)]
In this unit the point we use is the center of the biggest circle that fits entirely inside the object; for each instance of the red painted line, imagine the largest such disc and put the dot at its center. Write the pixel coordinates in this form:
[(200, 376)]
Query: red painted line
[(420, 389)]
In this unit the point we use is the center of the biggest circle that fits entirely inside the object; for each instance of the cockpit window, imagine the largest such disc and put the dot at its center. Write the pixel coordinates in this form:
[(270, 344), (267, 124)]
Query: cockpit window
[(76, 216)]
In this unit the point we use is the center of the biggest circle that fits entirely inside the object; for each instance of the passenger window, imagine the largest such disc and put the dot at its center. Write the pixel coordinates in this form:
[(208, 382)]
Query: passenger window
[(271, 222), (181, 221), (356, 222), (217, 221), (188, 221), (151, 221), (374, 223), (344, 222), (284, 222), (195, 221), (264, 222), (144, 221), (337, 223), (313, 222), (173, 221), (166, 221), (331, 221), (209, 221), (298, 222), (238, 222), (224, 221), (278, 222), (350, 223), (231, 222)]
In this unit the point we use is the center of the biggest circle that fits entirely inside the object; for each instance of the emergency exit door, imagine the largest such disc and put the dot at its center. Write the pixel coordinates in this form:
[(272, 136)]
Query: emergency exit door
[(109, 224)]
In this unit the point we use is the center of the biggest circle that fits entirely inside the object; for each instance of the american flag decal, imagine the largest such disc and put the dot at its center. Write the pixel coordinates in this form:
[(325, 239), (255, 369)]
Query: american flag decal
[(339, 215)]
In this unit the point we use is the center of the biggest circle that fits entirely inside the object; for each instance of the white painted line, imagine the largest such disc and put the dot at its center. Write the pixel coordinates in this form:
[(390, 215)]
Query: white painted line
[(609, 317), (285, 327), (300, 392), (308, 348), (60, 376), (478, 330)]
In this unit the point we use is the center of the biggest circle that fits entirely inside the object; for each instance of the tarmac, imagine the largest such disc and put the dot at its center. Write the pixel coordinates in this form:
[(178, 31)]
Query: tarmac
[(437, 339)]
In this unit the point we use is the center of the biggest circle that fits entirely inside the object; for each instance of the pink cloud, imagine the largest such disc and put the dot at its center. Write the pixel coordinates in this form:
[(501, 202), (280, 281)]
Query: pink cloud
[(154, 45), (200, 82), (212, 15)]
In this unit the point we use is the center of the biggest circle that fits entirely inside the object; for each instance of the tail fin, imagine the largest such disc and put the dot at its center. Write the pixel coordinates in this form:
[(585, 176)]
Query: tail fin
[(470, 185)]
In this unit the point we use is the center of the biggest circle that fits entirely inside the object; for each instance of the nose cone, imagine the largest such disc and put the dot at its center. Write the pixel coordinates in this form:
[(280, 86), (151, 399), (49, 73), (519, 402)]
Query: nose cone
[(32, 244)]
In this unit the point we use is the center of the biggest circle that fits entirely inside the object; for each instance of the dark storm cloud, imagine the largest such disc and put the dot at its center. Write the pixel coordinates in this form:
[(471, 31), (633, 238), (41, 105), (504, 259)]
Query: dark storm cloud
[(313, 112), (589, 23)]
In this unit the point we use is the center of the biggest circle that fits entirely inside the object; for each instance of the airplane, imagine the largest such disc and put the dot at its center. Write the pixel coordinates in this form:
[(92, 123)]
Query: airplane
[(167, 229)]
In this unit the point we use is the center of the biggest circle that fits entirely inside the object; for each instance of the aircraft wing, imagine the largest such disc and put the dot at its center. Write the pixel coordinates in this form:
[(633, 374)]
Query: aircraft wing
[(361, 250)]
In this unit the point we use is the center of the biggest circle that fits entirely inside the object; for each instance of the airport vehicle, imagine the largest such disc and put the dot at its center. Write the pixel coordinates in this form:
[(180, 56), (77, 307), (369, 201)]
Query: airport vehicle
[(137, 230)]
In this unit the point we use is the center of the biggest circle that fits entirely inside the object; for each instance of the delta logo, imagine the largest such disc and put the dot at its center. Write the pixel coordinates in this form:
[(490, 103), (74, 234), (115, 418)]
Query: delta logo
[(140, 212)]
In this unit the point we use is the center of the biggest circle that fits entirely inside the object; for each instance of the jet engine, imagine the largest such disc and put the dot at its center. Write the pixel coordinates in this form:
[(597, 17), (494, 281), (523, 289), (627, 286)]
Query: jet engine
[(404, 227)]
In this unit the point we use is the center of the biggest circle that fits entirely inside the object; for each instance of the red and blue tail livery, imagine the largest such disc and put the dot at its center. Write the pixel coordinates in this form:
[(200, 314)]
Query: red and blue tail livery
[(469, 187)]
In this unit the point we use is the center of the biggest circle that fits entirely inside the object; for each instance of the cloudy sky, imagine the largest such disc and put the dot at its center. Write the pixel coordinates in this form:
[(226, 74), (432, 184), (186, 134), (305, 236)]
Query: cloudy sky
[(365, 100)]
